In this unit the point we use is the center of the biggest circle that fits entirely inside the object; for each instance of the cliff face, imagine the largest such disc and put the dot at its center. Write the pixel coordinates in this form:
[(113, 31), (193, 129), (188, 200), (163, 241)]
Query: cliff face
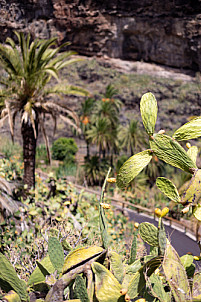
[(164, 32)]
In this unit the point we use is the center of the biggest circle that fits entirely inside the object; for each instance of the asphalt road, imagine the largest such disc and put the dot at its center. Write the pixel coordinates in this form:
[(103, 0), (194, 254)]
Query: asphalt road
[(182, 243)]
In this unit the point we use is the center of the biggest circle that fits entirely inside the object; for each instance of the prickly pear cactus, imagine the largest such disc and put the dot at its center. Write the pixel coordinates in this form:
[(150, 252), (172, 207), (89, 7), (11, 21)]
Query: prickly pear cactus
[(107, 287), (38, 276), (149, 233), (176, 275), (149, 109), (80, 289), (56, 253), (157, 288), (10, 280), (81, 255), (189, 130), (117, 267), (132, 167), (168, 188), (171, 152), (193, 153)]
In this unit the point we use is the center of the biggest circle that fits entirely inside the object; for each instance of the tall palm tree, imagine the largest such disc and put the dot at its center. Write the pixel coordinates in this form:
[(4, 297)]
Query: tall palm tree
[(28, 67), (85, 118), (100, 135), (131, 137)]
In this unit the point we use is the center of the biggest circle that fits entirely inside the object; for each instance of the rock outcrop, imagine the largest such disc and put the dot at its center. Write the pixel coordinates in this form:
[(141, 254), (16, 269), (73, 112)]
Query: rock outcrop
[(164, 32)]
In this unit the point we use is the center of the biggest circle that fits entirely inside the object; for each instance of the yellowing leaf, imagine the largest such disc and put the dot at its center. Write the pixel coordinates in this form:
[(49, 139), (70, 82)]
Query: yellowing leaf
[(132, 167), (79, 255), (168, 188), (193, 191), (192, 153), (189, 130), (176, 275), (149, 109), (106, 285)]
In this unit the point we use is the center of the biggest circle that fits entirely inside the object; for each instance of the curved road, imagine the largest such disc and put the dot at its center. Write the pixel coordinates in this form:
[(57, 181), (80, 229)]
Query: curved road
[(181, 242)]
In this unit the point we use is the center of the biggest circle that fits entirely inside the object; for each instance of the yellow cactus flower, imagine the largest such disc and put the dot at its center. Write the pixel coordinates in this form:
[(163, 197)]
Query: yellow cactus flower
[(123, 291), (197, 258), (157, 212), (111, 180), (105, 205), (164, 211), (141, 300), (136, 225), (161, 131), (188, 145)]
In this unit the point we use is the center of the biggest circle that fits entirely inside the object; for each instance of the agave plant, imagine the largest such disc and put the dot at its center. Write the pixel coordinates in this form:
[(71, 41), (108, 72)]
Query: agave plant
[(28, 67)]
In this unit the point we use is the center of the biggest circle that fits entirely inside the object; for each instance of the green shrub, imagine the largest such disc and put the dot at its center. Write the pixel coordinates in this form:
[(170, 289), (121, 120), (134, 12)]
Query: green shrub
[(64, 149)]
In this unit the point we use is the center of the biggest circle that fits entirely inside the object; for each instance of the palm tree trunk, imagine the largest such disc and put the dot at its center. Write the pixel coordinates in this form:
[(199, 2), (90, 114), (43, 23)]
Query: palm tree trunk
[(29, 152)]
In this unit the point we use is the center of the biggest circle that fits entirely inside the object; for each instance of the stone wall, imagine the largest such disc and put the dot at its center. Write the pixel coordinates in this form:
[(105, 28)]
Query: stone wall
[(164, 32)]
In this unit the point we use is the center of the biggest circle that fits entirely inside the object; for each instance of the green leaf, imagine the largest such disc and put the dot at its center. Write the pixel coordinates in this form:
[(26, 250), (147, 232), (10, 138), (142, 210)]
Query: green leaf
[(8, 276), (187, 262), (132, 167), (168, 188), (149, 233), (80, 289), (193, 191), (107, 288), (37, 276), (189, 130), (171, 152), (176, 275), (192, 153), (116, 266), (55, 251), (149, 109), (157, 288)]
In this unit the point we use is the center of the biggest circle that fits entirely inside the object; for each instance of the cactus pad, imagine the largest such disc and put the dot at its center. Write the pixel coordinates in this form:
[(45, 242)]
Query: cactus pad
[(149, 233), (171, 152), (193, 153), (80, 289), (168, 188), (193, 191), (81, 255), (176, 275), (107, 286), (189, 130), (132, 167), (149, 109), (37, 276), (56, 253)]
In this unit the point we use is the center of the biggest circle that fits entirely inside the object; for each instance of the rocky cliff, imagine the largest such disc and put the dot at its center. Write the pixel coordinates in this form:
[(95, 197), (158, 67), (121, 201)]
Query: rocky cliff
[(164, 32)]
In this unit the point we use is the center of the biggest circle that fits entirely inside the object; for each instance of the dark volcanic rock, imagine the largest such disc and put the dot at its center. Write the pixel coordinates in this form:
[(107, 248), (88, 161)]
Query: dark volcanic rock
[(164, 32)]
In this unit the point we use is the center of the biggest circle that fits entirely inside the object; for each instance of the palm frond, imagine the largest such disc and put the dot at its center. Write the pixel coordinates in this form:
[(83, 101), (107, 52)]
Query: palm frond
[(70, 122), (10, 119)]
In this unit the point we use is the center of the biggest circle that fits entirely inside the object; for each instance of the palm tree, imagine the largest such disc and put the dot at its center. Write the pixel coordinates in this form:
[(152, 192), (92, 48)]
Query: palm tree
[(85, 118), (100, 135), (28, 68), (131, 137)]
